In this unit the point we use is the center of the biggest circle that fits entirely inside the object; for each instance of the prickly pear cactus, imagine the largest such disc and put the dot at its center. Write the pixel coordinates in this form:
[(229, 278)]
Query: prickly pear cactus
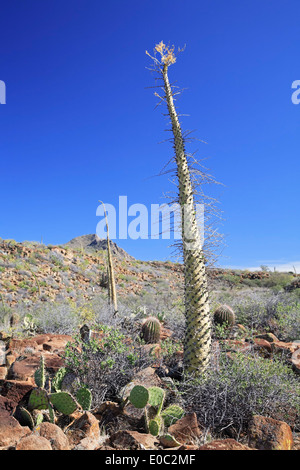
[(139, 396), (40, 374), (58, 378), (84, 398), (224, 315), (63, 402), (171, 414), (38, 399), (151, 330), (156, 397), (25, 418), (51, 414), (155, 426), (167, 440)]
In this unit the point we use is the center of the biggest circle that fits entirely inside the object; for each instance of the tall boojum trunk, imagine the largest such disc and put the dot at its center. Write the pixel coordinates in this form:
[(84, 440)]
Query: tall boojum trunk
[(112, 295), (197, 345)]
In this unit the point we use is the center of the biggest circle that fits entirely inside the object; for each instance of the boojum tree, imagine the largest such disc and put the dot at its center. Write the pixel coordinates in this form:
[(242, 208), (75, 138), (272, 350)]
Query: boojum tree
[(112, 294), (197, 343)]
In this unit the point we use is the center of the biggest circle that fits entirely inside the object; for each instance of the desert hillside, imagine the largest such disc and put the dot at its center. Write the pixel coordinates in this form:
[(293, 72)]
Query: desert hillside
[(71, 372)]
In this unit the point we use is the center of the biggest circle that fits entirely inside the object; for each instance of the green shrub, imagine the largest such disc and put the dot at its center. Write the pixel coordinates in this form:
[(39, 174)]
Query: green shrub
[(105, 365), (244, 385)]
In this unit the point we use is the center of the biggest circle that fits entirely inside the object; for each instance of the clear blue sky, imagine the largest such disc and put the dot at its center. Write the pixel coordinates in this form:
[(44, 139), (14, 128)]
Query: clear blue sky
[(79, 124)]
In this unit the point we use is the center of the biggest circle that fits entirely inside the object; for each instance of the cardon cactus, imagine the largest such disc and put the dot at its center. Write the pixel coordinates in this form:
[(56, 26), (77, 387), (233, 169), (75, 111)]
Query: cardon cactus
[(224, 315), (151, 330), (139, 396)]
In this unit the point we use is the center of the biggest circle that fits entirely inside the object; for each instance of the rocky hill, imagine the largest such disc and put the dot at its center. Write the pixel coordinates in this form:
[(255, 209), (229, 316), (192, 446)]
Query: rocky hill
[(93, 244), (31, 271)]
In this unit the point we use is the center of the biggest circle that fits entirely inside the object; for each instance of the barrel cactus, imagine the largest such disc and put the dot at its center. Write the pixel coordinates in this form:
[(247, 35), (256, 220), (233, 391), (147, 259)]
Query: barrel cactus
[(151, 330), (224, 315)]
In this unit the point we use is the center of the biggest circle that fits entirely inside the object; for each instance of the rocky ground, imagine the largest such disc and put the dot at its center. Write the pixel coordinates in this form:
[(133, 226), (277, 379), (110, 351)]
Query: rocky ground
[(33, 273)]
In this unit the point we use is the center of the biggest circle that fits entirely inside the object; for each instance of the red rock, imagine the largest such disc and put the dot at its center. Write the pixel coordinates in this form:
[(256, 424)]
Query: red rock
[(11, 431), (33, 442), (54, 435), (132, 440), (263, 347), (15, 390), (7, 407), (85, 428), (269, 434), (186, 429), (24, 370), (287, 349), (224, 444), (237, 346), (18, 346)]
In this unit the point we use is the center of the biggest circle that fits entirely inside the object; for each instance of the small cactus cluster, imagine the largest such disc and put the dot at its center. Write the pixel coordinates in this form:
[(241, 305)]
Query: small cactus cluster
[(151, 330), (152, 399), (224, 315), (41, 399)]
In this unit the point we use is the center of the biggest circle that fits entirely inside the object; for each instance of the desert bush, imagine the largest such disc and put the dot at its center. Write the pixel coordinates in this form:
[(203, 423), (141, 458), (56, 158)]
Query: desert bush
[(262, 309), (56, 317), (288, 321), (245, 385), (107, 364)]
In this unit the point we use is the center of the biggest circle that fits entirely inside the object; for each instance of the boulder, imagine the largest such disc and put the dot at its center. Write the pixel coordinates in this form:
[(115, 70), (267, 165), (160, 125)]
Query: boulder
[(269, 434), (224, 444), (54, 435), (11, 431), (132, 440), (33, 442), (15, 390), (85, 428), (7, 407), (186, 429), (23, 370)]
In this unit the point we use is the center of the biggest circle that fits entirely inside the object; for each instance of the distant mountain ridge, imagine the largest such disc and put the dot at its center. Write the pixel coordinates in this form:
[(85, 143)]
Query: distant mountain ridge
[(92, 243)]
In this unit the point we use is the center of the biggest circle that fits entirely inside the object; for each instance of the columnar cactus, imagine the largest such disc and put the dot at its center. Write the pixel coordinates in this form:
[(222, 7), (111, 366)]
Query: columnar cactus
[(224, 315), (197, 345), (151, 330)]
